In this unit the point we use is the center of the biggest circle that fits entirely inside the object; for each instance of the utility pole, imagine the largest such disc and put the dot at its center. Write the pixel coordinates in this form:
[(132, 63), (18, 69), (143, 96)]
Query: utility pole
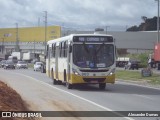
[(158, 22), (2, 45), (34, 47), (39, 20), (107, 28), (17, 39), (45, 12)]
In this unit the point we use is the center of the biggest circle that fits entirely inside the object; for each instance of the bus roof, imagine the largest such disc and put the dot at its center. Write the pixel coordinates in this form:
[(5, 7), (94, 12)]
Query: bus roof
[(71, 36)]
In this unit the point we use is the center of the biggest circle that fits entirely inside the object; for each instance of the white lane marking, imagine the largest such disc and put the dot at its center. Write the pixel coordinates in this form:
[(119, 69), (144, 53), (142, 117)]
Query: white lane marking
[(121, 82), (128, 83), (143, 96), (89, 101)]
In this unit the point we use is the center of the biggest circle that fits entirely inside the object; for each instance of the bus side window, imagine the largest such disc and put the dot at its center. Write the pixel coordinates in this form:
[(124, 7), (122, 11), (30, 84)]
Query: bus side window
[(52, 55), (60, 49), (63, 49), (47, 51), (66, 48), (54, 50)]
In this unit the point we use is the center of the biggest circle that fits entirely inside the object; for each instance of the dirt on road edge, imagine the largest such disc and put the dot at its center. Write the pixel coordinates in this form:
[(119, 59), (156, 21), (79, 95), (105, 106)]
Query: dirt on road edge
[(10, 100)]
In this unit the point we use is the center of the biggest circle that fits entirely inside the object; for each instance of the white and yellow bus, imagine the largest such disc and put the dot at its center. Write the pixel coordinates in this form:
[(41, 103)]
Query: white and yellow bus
[(81, 59)]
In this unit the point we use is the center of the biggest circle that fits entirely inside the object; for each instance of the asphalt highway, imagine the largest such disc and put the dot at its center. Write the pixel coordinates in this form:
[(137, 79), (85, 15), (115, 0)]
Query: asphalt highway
[(40, 94)]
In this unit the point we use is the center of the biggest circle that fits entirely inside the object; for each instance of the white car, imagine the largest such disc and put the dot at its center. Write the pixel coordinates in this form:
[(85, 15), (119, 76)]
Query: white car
[(22, 64), (37, 66)]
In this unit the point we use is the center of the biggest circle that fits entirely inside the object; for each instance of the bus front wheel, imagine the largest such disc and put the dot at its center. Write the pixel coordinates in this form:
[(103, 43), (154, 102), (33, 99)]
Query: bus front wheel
[(68, 85), (102, 86)]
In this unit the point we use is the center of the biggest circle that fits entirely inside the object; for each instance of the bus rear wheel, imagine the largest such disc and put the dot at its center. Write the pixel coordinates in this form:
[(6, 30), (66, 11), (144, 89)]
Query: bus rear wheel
[(54, 80), (102, 86)]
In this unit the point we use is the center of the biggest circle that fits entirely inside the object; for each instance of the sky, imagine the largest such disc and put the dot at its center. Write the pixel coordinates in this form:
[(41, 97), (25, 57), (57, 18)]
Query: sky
[(76, 14)]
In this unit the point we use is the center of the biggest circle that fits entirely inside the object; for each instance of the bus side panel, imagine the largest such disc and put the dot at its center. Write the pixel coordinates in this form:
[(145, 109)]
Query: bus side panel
[(53, 67), (62, 66)]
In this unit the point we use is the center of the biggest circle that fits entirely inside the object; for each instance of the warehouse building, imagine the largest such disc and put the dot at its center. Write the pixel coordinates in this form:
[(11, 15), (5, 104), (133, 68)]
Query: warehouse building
[(28, 39), (132, 42)]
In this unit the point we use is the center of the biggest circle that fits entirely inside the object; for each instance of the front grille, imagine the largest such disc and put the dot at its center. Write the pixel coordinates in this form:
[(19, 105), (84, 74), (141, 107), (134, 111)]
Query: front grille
[(94, 79), (10, 66), (23, 65), (94, 70)]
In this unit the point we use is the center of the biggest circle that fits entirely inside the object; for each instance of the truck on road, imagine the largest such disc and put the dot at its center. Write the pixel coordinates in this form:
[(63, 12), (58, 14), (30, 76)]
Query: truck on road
[(14, 59), (28, 56), (17, 54), (156, 55), (157, 52), (122, 61)]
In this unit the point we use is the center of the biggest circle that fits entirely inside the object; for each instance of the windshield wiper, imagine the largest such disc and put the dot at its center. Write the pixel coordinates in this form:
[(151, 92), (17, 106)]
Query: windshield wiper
[(85, 48), (101, 46)]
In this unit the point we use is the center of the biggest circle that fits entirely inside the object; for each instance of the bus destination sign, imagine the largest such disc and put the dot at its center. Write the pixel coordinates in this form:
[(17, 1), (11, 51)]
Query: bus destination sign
[(96, 39)]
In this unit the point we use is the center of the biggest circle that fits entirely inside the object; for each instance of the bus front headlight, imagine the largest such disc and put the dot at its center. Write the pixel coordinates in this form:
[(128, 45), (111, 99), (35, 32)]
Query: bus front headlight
[(112, 71), (75, 72)]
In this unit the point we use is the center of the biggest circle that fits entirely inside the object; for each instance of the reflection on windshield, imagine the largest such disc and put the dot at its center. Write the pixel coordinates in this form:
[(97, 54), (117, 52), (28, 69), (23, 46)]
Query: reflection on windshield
[(93, 55), (22, 62)]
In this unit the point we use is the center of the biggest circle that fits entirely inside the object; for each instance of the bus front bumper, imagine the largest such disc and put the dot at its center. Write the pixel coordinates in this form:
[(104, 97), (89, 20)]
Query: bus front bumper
[(76, 79)]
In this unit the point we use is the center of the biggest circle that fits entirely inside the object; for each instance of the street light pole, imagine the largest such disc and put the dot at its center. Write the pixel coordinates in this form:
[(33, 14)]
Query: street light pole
[(34, 47), (17, 39), (39, 20), (158, 22), (45, 31), (2, 45)]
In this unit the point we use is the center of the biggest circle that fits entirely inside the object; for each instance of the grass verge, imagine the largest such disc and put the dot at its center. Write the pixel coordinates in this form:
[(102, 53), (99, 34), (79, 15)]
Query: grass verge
[(136, 76)]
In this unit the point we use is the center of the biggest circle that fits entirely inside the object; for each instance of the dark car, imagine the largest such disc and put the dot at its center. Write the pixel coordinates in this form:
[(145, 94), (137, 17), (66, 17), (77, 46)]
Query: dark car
[(132, 65), (2, 63), (43, 67), (9, 64)]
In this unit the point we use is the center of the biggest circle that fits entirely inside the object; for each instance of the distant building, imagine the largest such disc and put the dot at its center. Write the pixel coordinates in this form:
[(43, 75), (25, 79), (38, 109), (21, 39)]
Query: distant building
[(28, 38)]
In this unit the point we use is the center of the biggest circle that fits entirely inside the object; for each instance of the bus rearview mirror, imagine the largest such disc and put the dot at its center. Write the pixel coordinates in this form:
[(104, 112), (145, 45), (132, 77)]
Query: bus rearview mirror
[(70, 49)]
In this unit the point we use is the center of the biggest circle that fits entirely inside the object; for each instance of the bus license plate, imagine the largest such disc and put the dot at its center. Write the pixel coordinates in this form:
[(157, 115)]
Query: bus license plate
[(93, 81)]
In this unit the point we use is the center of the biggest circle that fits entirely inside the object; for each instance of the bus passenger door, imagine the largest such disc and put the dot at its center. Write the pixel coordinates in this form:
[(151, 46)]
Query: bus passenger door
[(69, 62)]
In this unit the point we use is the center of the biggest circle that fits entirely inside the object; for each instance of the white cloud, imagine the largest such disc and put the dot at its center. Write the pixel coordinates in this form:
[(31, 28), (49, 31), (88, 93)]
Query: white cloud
[(76, 12)]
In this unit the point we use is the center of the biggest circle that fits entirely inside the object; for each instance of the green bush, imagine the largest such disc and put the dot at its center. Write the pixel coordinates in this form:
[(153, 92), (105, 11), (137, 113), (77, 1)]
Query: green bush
[(143, 58)]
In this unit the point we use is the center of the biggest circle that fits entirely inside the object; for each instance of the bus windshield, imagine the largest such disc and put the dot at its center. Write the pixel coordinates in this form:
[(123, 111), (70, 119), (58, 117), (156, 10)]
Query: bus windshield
[(93, 55)]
